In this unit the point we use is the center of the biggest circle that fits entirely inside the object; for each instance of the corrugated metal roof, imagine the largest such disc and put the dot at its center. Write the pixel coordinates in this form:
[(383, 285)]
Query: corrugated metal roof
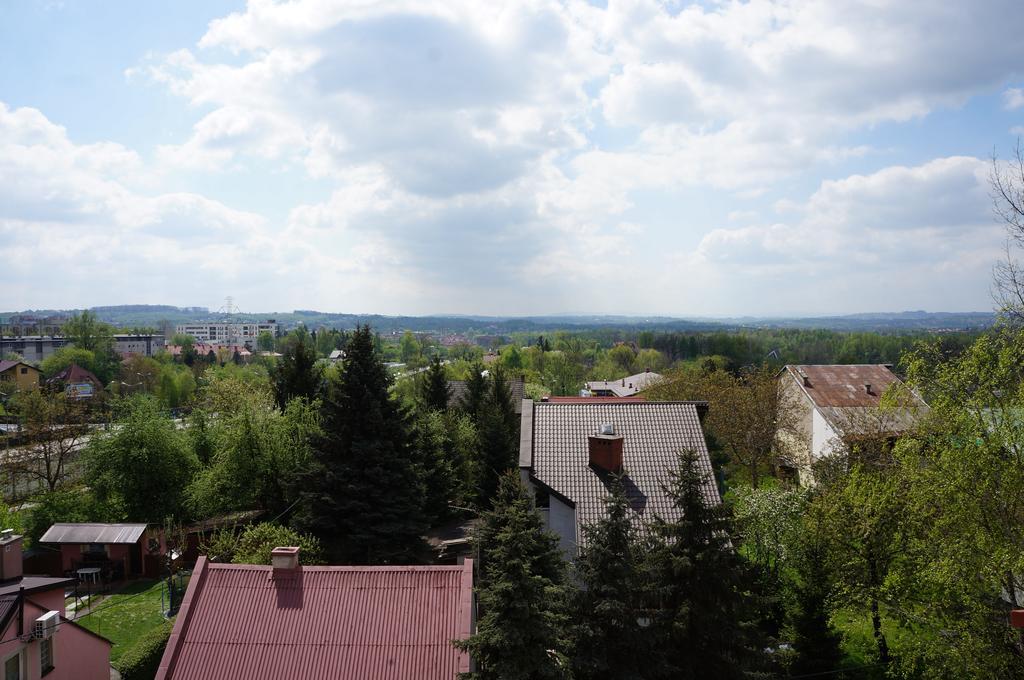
[(843, 385), (245, 621), (840, 394), (93, 533), (654, 434)]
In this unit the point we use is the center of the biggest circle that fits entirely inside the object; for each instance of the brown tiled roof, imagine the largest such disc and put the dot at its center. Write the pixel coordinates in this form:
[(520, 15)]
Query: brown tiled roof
[(247, 621), (554, 447), (75, 375)]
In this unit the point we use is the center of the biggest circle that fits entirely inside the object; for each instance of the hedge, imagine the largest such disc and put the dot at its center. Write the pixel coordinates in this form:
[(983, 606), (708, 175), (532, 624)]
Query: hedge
[(142, 659)]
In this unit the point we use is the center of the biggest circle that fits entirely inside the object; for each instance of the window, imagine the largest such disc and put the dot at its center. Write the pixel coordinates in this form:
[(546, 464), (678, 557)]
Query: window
[(46, 655), (12, 667), (24, 370)]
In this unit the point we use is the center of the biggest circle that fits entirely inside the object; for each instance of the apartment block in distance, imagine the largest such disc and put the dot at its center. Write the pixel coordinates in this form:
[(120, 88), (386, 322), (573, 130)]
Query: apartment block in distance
[(218, 333)]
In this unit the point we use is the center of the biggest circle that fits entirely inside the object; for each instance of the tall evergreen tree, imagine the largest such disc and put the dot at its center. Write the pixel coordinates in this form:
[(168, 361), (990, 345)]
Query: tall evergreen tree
[(476, 391), (298, 373), (521, 592), (705, 617), (434, 391), (498, 431), (610, 641), (817, 646), (362, 494)]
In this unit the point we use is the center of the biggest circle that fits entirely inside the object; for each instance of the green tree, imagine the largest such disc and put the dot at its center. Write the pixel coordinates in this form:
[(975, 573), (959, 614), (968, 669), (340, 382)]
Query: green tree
[(609, 637), (705, 616), (409, 348), (257, 451), (298, 371), (498, 430), (362, 493), (66, 356), (434, 392), (86, 332), (476, 391), (445, 446), (254, 544), (816, 645), (265, 341), (521, 634), (142, 466)]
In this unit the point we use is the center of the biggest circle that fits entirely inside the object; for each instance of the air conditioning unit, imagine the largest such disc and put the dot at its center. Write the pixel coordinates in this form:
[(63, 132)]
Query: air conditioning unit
[(46, 625)]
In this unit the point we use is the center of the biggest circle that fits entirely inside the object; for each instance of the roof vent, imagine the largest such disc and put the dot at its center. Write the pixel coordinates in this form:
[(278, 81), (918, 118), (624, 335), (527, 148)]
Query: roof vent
[(607, 428), (285, 558), (867, 387)]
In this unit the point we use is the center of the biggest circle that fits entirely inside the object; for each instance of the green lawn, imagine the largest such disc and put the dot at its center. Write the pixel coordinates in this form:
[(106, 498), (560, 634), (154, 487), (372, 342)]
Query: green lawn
[(124, 616)]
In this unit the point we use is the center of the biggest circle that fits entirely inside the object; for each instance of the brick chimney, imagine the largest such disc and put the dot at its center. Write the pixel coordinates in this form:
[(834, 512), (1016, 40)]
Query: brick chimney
[(10, 555), (605, 449), (867, 387), (285, 558)]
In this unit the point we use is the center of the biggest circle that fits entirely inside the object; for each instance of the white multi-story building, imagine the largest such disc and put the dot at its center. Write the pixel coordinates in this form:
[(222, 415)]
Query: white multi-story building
[(229, 332)]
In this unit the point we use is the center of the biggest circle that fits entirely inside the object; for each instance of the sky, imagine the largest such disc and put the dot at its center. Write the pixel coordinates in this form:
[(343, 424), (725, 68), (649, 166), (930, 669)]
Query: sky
[(764, 158)]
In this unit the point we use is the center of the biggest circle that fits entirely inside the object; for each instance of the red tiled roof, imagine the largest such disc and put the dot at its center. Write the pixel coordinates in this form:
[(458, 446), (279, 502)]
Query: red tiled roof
[(247, 621), (74, 375)]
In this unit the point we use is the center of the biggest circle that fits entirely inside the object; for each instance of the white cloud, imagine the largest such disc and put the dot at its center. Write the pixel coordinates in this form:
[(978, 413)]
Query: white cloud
[(1013, 98)]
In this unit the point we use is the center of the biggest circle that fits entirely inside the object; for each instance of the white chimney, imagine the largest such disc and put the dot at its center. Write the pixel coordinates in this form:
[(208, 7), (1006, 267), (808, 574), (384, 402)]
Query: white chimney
[(285, 558)]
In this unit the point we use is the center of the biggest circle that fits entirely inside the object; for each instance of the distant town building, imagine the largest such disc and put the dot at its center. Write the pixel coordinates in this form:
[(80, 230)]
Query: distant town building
[(229, 332), (833, 402), (624, 387), (290, 620), (37, 348), (569, 449), (23, 376), (77, 382)]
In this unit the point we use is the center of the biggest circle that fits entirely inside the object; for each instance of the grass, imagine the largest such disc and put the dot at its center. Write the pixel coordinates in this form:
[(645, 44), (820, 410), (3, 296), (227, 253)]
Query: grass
[(124, 616), (859, 645)]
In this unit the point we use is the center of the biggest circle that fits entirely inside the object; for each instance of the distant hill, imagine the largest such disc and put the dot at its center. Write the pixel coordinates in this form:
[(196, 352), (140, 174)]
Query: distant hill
[(157, 315)]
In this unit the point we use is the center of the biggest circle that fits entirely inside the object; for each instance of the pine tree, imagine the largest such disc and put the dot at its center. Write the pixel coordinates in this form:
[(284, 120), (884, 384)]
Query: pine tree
[(521, 592), (816, 645), (297, 373), (362, 494), (476, 392), (498, 428), (434, 392), (705, 617), (610, 641)]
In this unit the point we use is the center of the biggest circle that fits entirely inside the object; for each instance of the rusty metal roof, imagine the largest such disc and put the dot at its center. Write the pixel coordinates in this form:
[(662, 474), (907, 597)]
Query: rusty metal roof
[(844, 385), (93, 533), (247, 621), (554, 447)]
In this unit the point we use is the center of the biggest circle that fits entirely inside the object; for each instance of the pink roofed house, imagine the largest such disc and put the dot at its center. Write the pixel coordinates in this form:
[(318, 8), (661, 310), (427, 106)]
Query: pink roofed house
[(293, 621), (35, 638)]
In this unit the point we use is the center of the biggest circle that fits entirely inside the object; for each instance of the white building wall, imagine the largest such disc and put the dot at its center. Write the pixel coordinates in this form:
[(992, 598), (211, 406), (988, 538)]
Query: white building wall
[(562, 521), (825, 440)]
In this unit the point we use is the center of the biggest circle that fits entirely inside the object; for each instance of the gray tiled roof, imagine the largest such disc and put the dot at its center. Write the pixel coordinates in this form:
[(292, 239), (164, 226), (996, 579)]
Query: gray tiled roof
[(555, 449), (626, 387)]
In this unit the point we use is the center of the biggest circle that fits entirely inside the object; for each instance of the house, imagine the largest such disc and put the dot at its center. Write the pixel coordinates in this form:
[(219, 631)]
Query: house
[(36, 639), (836, 401), (119, 550), (516, 387), (289, 621), (222, 353), (77, 382), (624, 387), (23, 376), (336, 356), (569, 449)]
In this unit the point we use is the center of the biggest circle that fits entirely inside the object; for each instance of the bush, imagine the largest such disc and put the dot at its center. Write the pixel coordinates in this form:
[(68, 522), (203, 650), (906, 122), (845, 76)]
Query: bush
[(142, 659)]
